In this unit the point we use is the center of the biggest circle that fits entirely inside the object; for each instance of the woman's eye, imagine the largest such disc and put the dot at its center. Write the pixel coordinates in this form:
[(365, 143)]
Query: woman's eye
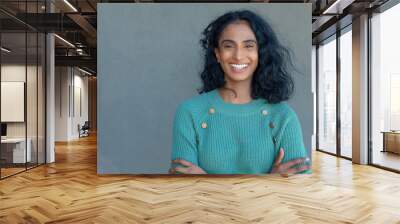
[(249, 46), (228, 46)]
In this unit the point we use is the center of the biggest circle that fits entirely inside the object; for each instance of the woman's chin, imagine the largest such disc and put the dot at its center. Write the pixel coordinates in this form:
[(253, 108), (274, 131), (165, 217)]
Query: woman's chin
[(239, 77)]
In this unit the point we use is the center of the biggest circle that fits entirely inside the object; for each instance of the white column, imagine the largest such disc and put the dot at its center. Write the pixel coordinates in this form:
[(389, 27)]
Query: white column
[(50, 93), (360, 90), (314, 92)]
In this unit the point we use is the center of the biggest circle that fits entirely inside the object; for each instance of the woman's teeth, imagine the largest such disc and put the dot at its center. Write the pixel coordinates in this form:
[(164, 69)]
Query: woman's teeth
[(239, 66)]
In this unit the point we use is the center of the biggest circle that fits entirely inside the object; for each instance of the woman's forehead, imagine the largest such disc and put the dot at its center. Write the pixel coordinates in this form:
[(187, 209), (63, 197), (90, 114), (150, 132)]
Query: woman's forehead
[(238, 31)]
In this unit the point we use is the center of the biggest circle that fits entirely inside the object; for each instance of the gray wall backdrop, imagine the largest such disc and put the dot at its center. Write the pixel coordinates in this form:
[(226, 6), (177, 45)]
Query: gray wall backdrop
[(149, 60)]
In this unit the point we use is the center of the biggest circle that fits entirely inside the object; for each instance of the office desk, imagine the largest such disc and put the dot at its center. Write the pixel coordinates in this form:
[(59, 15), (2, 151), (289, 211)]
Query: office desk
[(391, 141), (15, 148)]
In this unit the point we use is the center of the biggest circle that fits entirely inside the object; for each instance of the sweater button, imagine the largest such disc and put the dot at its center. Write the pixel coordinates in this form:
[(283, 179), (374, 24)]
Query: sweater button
[(204, 125), (211, 110), (264, 112), (271, 125)]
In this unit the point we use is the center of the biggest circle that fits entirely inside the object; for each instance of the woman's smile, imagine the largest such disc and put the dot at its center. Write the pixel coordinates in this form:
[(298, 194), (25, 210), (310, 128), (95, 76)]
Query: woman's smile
[(239, 67)]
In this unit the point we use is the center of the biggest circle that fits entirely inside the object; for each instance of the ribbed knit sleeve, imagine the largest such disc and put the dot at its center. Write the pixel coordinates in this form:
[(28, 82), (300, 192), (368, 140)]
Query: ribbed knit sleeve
[(292, 140), (184, 144)]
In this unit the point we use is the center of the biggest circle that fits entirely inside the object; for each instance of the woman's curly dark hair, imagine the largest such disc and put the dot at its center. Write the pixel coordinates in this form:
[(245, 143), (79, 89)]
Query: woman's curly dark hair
[(271, 80)]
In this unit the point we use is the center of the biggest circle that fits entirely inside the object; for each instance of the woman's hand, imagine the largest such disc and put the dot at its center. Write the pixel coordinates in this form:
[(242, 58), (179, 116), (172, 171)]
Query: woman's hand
[(290, 167), (188, 168)]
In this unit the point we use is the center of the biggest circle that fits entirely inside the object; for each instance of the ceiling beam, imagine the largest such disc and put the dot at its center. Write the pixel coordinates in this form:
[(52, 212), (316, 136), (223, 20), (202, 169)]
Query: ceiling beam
[(86, 27), (85, 61)]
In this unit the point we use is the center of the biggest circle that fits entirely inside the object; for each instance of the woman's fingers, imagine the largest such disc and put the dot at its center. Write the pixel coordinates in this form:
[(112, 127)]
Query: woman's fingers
[(279, 159), (178, 170), (289, 164), (277, 162), (187, 168), (183, 162), (298, 169), (182, 170), (290, 167)]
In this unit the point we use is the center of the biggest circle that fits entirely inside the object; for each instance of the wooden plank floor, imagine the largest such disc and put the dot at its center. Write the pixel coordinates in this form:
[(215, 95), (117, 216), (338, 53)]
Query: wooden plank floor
[(10, 171), (70, 191)]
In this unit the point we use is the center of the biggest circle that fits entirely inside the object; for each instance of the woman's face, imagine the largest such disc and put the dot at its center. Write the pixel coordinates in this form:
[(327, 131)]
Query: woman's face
[(237, 52)]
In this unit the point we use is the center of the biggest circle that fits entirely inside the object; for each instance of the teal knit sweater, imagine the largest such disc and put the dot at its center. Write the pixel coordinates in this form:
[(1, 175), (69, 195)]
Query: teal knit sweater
[(226, 138)]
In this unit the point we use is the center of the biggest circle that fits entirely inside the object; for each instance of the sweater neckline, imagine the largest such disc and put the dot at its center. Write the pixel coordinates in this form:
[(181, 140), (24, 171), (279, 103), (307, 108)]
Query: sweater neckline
[(254, 106)]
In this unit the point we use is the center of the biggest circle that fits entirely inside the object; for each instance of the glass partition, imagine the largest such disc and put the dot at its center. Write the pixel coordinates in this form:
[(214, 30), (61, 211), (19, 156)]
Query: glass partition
[(14, 153), (22, 77), (32, 94)]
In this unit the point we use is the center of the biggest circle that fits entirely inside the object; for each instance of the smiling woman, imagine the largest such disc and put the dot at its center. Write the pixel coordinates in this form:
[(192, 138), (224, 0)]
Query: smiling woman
[(240, 123)]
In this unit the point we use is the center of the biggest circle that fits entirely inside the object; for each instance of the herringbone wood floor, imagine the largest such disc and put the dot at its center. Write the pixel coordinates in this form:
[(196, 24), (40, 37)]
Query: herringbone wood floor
[(70, 191)]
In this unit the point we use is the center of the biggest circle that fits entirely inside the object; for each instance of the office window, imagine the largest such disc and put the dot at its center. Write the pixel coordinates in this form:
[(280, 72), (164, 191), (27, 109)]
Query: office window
[(327, 96), (385, 88), (346, 92)]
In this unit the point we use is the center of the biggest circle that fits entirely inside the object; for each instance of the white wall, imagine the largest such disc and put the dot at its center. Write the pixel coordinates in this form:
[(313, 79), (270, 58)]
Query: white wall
[(71, 93), (81, 104), (13, 73), (16, 73), (62, 80)]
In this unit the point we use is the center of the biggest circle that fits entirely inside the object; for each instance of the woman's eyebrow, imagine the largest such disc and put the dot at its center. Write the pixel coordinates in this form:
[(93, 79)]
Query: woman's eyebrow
[(228, 41), (233, 42), (250, 41)]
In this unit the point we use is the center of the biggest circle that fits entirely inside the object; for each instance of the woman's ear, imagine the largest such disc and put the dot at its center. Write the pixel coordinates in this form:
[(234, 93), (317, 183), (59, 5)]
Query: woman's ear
[(216, 52)]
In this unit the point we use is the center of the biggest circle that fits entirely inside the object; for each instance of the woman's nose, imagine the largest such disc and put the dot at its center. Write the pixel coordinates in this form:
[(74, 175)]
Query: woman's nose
[(239, 54)]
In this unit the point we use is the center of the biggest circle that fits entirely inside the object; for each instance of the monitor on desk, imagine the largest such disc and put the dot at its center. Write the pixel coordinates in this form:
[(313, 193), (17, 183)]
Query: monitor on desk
[(3, 130)]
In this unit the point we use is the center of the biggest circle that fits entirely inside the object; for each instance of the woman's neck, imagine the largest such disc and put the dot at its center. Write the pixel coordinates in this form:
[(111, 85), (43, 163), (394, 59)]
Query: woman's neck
[(239, 93)]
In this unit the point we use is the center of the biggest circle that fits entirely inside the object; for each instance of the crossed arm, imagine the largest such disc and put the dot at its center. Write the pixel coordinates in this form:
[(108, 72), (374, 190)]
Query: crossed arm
[(284, 169)]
